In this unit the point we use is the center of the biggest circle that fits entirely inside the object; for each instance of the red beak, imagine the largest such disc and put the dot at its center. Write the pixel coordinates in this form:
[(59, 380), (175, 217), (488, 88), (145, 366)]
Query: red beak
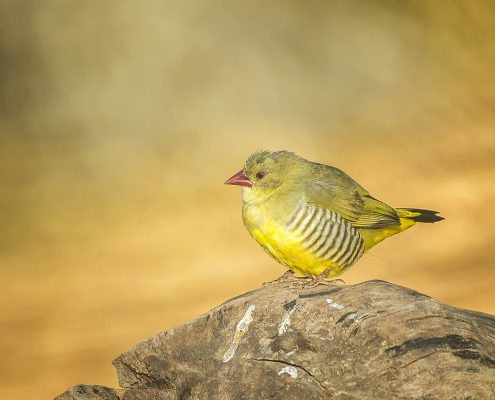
[(240, 179)]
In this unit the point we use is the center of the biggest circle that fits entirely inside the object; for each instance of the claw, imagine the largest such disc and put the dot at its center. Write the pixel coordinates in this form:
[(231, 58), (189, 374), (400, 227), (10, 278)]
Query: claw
[(286, 277), (292, 281), (321, 280), (325, 282)]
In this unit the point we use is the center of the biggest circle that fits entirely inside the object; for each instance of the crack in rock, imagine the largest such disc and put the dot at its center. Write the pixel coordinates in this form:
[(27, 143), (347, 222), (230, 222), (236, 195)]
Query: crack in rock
[(289, 365)]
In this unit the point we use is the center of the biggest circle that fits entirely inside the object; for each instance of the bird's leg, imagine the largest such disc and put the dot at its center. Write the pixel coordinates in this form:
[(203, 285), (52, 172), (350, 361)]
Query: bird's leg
[(321, 280), (287, 276)]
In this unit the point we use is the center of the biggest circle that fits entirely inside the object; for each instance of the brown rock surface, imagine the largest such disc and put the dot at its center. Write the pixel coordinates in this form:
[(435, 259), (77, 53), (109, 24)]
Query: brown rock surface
[(374, 340)]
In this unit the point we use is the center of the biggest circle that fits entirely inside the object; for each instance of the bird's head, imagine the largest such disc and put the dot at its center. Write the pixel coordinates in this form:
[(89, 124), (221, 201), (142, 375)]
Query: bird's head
[(264, 172)]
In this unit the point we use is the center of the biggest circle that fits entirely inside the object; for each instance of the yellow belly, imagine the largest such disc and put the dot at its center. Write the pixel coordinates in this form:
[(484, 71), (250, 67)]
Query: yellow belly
[(286, 248)]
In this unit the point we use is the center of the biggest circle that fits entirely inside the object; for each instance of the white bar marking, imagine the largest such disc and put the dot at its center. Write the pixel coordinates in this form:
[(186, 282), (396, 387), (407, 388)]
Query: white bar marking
[(240, 330)]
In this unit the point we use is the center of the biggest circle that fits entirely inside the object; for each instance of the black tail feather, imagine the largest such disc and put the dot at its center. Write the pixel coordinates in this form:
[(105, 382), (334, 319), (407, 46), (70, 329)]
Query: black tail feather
[(428, 216)]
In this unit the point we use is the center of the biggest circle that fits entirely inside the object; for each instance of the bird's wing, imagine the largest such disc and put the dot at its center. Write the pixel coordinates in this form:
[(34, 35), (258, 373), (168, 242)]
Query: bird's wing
[(376, 214), (336, 191)]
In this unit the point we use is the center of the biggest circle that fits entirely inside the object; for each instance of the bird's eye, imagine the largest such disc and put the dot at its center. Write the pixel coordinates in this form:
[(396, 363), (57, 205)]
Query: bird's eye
[(260, 174)]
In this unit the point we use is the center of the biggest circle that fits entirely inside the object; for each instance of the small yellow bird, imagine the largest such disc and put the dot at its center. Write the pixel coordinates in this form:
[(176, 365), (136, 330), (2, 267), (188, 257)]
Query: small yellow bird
[(314, 218)]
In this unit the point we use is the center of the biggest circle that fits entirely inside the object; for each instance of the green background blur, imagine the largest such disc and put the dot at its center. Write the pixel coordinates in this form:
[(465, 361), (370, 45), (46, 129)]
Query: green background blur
[(120, 121)]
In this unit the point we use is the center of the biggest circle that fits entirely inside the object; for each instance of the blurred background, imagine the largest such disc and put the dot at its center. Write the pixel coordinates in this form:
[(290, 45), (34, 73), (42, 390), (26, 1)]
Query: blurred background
[(120, 121)]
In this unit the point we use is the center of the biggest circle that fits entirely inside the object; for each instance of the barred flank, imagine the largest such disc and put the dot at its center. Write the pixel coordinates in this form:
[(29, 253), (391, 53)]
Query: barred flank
[(326, 235)]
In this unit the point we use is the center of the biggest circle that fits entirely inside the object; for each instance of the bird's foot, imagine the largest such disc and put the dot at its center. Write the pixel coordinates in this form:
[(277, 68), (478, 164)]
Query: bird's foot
[(292, 281), (288, 276), (321, 280), (326, 282)]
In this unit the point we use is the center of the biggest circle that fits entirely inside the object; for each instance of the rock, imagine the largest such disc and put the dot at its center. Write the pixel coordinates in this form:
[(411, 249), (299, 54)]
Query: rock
[(374, 340), (89, 392)]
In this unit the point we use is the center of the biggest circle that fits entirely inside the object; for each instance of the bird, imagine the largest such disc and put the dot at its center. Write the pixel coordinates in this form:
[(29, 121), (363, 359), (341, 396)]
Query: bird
[(313, 218)]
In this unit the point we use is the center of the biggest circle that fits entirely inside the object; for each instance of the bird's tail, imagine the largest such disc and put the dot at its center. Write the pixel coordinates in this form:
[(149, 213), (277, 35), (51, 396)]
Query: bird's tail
[(408, 218), (419, 215)]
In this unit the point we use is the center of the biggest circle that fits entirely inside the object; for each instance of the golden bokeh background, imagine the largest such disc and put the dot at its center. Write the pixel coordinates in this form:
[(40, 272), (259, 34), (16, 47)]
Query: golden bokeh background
[(120, 121)]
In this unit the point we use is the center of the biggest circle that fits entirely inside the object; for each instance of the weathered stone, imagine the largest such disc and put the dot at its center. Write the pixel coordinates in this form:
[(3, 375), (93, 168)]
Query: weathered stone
[(89, 392), (374, 340)]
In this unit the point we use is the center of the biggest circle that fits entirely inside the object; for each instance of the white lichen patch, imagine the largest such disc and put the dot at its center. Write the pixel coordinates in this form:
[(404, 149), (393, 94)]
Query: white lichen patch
[(335, 305), (355, 317), (285, 323), (290, 370), (240, 331)]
